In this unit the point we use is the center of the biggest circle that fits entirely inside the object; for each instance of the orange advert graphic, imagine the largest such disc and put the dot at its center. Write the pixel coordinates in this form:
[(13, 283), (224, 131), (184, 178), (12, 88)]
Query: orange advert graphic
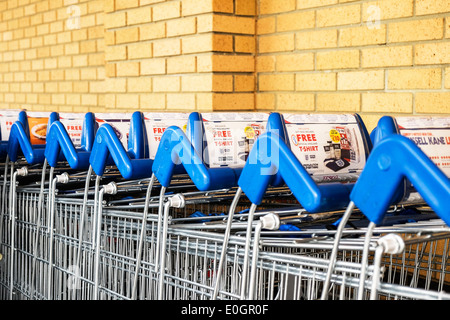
[(38, 130)]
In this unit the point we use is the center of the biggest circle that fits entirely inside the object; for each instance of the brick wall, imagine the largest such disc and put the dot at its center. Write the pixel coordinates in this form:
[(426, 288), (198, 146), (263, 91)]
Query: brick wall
[(49, 61), (180, 55), (371, 57)]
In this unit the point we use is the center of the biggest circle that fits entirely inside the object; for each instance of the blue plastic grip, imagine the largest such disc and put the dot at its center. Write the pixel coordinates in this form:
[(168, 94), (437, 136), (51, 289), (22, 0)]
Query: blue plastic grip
[(137, 139), (270, 156), (58, 140), (19, 140), (175, 150), (393, 159), (108, 144), (386, 126)]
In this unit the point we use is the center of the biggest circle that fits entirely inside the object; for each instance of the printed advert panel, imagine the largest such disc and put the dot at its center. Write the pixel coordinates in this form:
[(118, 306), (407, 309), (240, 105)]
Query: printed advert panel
[(431, 135), (74, 127), (157, 123), (330, 147), (38, 130), (119, 122), (230, 137)]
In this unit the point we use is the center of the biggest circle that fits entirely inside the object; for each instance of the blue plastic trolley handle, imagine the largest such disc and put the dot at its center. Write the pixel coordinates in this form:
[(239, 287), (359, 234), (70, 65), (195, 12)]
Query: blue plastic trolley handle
[(185, 151), (19, 140), (132, 164), (270, 156), (175, 150), (386, 126), (59, 146), (393, 159)]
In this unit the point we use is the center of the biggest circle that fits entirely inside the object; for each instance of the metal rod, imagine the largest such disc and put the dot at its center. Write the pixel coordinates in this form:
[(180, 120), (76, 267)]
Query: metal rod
[(335, 249), (142, 235)]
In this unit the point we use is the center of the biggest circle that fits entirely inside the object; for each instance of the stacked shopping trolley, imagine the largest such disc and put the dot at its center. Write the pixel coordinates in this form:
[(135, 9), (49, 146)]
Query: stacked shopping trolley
[(242, 206)]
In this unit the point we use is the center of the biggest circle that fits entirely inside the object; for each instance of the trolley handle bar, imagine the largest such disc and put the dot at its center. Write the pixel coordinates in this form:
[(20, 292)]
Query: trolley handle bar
[(107, 147), (392, 160), (59, 140), (269, 157), (175, 152)]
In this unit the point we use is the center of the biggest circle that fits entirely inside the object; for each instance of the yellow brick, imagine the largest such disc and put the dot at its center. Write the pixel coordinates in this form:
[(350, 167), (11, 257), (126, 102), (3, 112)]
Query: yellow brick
[(155, 101), (303, 4), (205, 63), (387, 57), (181, 101), (168, 10), (115, 20), (422, 30), (195, 7), (265, 63), (96, 33), (414, 79), (226, 63), (338, 102), (341, 59), (244, 83), (140, 84), (336, 16), (386, 9), (295, 62), (204, 102), (140, 50), (167, 47), (110, 69), (276, 82), (182, 64), (233, 24), (88, 74), (245, 7), (245, 44), (180, 27), (233, 101), (127, 69), (361, 36), (153, 66), (207, 43), (295, 101), (276, 43), (166, 84), (196, 83), (110, 37), (126, 4), (315, 81), (97, 59), (88, 46), (276, 6), (265, 25), (316, 39), (222, 83), (152, 31), (127, 101), (447, 78), (387, 102), (127, 35), (432, 53), (432, 102), (361, 80), (295, 21), (80, 61), (432, 6), (265, 101), (447, 27), (138, 16), (89, 100)]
